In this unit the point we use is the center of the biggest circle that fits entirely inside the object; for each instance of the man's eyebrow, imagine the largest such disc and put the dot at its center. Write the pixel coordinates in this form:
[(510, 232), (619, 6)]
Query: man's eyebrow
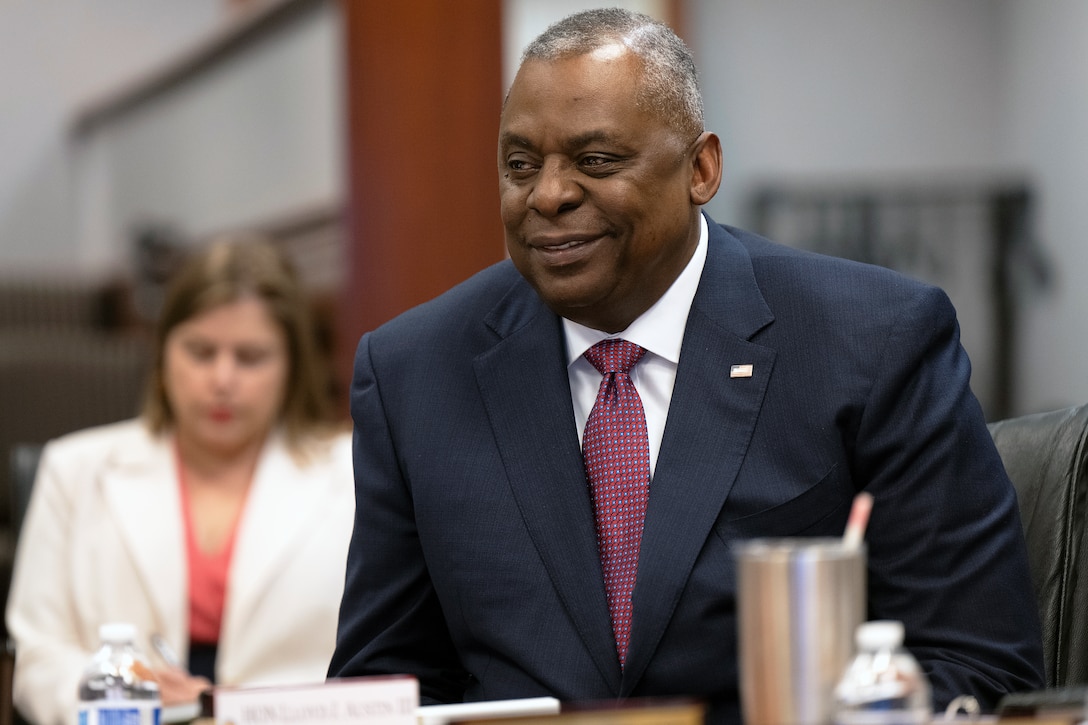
[(513, 139), (592, 137), (582, 140)]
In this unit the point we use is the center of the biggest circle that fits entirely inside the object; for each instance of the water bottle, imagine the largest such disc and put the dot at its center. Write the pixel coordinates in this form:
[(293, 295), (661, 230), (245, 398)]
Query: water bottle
[(884, 684), (117, 688)]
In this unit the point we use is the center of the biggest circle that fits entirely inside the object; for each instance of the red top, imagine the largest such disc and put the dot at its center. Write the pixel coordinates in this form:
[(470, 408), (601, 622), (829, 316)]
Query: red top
[(207, 576)]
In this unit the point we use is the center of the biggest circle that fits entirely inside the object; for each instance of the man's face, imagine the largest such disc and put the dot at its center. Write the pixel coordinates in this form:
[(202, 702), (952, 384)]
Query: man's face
[(596, 192)]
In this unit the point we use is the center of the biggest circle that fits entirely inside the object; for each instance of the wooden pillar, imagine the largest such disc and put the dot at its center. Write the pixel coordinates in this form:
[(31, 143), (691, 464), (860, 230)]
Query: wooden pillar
[(424, 91), (675, 13)]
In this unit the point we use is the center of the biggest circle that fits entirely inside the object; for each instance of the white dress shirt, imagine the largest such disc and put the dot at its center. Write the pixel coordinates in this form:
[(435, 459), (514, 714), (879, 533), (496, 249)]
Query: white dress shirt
[(660, 330)]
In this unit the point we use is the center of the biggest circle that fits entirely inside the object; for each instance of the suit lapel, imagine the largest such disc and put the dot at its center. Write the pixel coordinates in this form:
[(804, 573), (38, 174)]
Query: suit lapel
[(711, 418), (142, 495), (282, 506), (524, 378)]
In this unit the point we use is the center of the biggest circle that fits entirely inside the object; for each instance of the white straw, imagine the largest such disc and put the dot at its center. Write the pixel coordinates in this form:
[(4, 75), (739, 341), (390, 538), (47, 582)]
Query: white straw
[(859, 519)]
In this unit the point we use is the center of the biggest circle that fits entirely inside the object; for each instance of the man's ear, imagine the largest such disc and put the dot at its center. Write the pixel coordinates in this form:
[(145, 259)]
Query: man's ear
[(706, 169)]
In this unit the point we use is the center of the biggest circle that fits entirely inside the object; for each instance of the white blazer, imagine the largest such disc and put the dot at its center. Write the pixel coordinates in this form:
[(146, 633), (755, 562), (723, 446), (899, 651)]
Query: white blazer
[(103, 541)]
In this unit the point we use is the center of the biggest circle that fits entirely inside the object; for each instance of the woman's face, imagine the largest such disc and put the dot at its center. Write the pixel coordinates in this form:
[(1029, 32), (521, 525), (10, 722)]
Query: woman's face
[(225, 373)]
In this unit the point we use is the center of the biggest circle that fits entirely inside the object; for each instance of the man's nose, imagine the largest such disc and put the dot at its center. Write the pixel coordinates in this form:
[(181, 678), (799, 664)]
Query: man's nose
[(556, 188)]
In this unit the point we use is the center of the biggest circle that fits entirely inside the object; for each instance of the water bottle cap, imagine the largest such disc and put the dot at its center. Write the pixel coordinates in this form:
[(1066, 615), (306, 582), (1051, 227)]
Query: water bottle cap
[(117, 632), (879, 634)]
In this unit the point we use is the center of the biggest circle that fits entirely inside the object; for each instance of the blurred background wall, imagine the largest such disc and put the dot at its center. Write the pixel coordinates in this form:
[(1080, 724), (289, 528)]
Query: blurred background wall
[(55, 59), (943, 137), (944, 105)]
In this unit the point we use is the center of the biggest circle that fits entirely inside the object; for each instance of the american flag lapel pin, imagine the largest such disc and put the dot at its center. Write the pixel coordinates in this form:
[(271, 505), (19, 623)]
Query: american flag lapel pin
[(740, 371)]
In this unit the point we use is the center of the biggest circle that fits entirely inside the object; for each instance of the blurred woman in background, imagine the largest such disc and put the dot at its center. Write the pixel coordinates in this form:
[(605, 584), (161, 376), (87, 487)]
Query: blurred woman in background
[(218, 521)]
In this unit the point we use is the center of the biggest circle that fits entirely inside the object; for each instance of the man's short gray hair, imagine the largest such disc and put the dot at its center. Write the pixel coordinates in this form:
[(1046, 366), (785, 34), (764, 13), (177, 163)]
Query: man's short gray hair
[(670, 84)]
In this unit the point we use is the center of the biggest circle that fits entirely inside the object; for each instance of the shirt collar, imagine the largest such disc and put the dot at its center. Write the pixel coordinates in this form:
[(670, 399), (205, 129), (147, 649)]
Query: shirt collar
[(659, 329)]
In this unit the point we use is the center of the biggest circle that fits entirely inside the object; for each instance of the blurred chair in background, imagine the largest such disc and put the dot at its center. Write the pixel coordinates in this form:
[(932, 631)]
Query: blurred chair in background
[(68, 360), (1045, 455), (24, 465)]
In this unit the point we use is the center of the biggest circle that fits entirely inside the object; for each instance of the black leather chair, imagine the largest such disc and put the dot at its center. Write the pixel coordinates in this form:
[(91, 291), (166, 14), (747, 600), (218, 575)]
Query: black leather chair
[(24, 466), (1046, 457)]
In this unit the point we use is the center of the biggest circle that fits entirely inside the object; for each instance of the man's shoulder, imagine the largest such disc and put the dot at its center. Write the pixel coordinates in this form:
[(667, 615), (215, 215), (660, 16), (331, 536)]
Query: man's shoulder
[(779, 265), (767, 251), (805, 290)]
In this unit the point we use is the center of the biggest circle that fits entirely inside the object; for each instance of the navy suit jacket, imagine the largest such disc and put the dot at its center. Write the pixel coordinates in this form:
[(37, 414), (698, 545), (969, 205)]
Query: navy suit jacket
[(474, 561)]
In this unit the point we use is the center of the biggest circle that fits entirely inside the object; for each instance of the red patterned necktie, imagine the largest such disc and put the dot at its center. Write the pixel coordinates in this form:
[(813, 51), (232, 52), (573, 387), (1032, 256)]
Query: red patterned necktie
[(616, 449)]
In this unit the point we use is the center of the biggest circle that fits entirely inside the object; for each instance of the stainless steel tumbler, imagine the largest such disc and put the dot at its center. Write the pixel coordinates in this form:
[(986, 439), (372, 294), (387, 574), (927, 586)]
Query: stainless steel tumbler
[(798, 604)]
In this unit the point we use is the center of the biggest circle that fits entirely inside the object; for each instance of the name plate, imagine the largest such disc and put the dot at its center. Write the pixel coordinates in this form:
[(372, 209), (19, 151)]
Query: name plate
[(370, 700)]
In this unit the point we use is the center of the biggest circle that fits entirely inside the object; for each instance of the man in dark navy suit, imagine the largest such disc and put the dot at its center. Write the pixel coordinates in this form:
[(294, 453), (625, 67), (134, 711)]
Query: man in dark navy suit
[(774, 385)]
